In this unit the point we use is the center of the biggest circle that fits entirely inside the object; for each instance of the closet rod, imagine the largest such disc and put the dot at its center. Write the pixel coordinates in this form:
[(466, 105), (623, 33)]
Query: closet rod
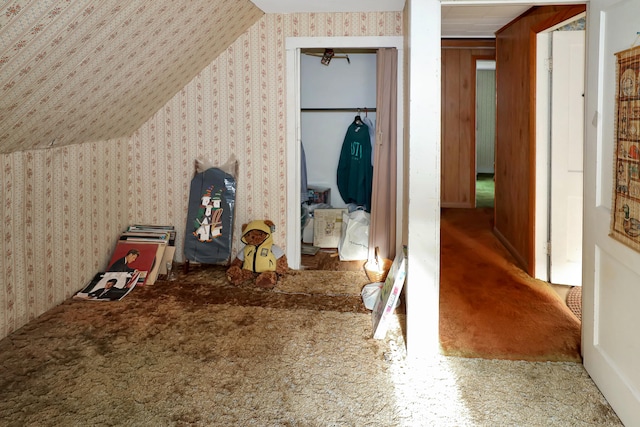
[(358, 110)]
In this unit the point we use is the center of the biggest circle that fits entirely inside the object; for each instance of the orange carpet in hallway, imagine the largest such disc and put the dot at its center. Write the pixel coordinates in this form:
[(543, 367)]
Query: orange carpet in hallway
[(489, 307)]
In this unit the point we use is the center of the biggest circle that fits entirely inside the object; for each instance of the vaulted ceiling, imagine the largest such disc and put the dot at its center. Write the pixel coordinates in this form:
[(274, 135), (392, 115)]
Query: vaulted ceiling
[(77, 71)]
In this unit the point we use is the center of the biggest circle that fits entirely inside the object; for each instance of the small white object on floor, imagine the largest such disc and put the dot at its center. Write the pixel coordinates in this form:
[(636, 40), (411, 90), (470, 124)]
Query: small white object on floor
[(370, 294)]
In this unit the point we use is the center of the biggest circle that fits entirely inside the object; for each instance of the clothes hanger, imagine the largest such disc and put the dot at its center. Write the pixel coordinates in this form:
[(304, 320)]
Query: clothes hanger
[(358, 119)]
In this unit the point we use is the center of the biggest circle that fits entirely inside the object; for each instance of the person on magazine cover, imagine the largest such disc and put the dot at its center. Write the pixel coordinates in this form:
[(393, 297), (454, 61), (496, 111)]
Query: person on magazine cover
[(103, 292), (123, 264)]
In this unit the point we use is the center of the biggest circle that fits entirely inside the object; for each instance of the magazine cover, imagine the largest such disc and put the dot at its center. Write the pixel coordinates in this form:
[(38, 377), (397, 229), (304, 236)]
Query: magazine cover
[(152, 274), (108, 286), (130, 257)]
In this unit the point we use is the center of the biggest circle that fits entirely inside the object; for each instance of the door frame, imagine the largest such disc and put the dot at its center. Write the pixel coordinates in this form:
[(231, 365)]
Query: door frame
[(293, 46), (542, 158), (474, 151), (544, 178)]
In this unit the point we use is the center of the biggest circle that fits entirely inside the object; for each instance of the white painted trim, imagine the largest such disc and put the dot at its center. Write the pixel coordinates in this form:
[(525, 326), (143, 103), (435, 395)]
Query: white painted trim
[(364, 42), (541, 227), (293, 157), (424, 141), (297, 6), (293, 45)]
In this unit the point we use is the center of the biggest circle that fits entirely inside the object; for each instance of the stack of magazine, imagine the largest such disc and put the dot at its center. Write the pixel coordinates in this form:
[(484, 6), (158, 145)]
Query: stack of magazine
[(142, 253)]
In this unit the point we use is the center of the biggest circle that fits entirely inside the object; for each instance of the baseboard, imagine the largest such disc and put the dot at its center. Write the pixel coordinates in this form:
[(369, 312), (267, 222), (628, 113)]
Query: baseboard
[(521, 261)]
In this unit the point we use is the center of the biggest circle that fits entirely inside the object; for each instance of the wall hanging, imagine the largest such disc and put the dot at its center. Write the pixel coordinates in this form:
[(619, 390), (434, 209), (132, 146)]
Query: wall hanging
[(625, 218)]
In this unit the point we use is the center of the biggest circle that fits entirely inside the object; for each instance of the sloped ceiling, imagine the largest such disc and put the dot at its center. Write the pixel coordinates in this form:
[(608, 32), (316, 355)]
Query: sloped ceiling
[(77, 71)]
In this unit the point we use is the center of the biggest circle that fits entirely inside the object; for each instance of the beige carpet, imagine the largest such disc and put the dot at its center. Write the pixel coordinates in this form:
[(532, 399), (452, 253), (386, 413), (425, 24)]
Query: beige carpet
[(198, 352)]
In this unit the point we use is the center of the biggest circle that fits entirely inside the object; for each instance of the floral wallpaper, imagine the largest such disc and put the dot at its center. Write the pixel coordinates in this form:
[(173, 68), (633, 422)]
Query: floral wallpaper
[(235, 108), (63, 207), (61, 213)]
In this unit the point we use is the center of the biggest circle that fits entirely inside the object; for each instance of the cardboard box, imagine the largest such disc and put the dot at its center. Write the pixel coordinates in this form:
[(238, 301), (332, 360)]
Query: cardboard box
[(327, 227), (319, 194)]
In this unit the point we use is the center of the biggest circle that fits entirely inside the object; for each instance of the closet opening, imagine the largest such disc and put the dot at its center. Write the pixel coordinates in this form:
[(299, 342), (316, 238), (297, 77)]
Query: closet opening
[(337, 98), (320, 109)]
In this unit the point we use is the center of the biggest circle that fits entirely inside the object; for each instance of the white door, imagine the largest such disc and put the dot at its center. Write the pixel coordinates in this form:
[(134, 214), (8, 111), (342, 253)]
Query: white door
[(611, 271), (567, 142)]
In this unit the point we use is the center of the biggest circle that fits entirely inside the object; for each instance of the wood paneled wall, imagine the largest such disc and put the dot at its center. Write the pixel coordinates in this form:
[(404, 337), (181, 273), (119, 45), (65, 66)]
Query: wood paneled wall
[(515, 127), (458, 119)]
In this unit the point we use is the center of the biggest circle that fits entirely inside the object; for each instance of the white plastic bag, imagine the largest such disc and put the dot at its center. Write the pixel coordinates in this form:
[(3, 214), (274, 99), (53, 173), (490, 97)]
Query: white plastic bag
[(370, 294), (354, 240)]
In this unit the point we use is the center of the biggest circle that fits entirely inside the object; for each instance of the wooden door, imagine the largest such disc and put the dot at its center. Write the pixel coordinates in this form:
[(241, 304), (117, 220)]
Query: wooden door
[(611, 270)]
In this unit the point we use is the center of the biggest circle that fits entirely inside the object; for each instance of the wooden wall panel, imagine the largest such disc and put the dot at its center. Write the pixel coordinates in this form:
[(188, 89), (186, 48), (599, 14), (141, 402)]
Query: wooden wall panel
[(458, 119), (515, 127)]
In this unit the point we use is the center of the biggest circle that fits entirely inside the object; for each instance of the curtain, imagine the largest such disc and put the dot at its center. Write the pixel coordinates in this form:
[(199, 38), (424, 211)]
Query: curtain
[(382, 230)]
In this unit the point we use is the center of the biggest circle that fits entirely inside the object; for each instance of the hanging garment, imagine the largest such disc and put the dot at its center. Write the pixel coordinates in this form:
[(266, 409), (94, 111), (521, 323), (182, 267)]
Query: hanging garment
[(372, 132), (355, 173), (304, 190)]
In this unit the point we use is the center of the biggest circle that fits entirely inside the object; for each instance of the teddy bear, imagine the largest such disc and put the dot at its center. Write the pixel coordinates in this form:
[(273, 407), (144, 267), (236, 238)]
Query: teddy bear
[(259, 259)]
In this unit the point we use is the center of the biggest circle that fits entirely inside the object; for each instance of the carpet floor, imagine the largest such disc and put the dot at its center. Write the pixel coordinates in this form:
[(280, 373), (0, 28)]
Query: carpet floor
[(485, 191), (489, 307), (199, 352)]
